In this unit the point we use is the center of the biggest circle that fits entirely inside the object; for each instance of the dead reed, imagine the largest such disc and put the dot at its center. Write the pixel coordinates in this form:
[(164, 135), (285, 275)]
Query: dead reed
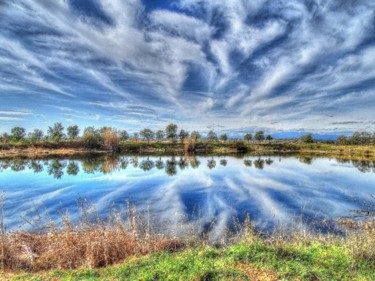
[(89, 243)]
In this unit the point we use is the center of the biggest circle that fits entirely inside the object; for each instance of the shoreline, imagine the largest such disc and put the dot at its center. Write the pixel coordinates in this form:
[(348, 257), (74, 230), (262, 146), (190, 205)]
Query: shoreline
[(349, 152), (124, 252)]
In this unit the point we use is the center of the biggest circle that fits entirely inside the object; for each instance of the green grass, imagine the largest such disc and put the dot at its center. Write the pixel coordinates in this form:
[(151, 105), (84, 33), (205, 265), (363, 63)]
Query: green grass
[(243, 261)]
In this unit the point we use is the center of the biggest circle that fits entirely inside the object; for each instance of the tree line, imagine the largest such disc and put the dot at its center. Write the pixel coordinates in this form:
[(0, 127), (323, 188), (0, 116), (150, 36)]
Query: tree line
[(108, 137)]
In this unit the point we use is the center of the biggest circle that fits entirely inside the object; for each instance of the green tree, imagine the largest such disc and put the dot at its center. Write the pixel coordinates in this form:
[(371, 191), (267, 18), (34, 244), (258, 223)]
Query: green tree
[(259, 136), (18, 133), (171, 132), (56, 133), (147, 134), (359, 138), (183, 135), (195, 135), (36, 135), (269, 138), (92, 138), (5, 138), (124, 136), (224, 137), (248, 137), (211, 136), (341, 140), (307, 138), (160, 135), (73, 132), (136, 136)]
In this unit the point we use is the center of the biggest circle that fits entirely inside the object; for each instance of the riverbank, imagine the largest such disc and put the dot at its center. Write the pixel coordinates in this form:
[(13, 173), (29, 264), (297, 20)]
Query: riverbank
[(350, 152), (295, 256), (128, 246)]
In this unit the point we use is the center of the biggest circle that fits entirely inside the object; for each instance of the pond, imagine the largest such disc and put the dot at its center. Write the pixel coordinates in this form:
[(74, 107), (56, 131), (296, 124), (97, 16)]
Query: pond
[(180, 191)]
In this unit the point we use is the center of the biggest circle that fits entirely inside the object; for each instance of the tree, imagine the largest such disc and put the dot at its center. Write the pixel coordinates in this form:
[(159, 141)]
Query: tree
[(211, 136), (91, 138), (56, 132), (73, 132), (359, 138), (18, 133), (111, 138), (248, 137), (147, 134), (36, 135), (160, 135), (341, 140), (223, 137), (269, 138), (307, 138), (183, 135), (136, 136), (195, 135), (171, 132), (259, 136), (124, 135), (4, 138)]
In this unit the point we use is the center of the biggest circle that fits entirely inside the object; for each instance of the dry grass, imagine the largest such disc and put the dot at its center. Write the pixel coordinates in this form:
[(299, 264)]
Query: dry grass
[(90, 243)]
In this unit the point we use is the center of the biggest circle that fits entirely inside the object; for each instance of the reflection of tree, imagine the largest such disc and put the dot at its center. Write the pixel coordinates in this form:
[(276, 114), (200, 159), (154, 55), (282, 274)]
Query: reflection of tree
[(259, 163), (109, 164), (18, 165), (124, 162), (72, 169), (36, 166), (159, 164), (269, 161), (223, 162), (247, 162), (91, 165), (306, 160), (5, 164), (211, 163), (56, 169), (364, 166), (146, 165), (194, 162), (342, 161), (182, 163), (134, 162), (171, 167)]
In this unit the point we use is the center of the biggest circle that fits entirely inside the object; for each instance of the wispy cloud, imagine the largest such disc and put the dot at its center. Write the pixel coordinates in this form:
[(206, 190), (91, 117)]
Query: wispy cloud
[(265, 64)]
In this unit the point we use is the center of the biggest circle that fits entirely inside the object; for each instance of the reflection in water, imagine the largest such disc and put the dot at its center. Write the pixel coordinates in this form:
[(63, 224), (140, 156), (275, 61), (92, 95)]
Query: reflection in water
[(56, 169), (271, 189), (108, 164)]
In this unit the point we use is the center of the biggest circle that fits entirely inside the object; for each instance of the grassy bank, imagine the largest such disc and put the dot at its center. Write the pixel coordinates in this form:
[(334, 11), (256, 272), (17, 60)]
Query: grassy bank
[(299, 257), (200, 147), (128, 247)]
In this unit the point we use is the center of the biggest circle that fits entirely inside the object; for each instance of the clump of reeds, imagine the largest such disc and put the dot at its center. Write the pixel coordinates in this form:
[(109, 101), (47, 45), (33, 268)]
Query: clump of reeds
[(91, 242)]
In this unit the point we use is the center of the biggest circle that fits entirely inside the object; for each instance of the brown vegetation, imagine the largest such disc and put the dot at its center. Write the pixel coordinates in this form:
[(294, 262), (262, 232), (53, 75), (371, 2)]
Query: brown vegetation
[(90, 243)]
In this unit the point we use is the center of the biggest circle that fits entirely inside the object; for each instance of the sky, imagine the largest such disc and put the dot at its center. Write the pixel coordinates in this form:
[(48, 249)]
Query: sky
[(233, 66)]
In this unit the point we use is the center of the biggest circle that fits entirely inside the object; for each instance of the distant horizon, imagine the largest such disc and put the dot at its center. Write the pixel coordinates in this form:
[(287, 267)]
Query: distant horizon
[(230, 134), (286, 67)]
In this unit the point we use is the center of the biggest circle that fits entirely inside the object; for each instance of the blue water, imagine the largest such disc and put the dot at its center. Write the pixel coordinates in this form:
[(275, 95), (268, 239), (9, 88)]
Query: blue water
[(185, 191)]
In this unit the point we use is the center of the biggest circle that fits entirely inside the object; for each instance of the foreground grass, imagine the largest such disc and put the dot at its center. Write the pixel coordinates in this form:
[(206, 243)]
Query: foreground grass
[(243, 261), (126, 249)]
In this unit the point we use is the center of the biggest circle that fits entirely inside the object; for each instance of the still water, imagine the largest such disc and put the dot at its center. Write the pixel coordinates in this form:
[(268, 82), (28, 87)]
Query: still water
[(206, 191)]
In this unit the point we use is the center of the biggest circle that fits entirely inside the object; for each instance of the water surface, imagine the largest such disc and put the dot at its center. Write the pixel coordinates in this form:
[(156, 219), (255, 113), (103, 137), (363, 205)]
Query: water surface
[(206, 191)]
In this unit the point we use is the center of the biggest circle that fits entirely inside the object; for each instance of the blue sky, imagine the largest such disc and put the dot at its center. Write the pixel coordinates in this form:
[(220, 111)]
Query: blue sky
[(277, 65)]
